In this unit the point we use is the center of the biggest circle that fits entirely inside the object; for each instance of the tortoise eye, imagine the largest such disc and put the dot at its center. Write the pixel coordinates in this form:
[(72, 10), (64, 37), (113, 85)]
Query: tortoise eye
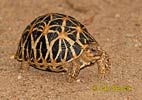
[(95, 52)]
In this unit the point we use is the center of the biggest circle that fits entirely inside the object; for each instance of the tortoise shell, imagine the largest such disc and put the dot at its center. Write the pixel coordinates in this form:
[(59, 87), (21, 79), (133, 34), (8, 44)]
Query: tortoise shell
[(52, 40)]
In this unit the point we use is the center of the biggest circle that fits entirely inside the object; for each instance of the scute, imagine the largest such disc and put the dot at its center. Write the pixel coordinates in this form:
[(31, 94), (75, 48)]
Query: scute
[(31, 55), (44, 51), (69, 55), (72, 36), (37, 54), (63, 47), (70, 24), (67, 43), (36, 34), (24, 36), (56, 28), (48, 59), (55, 48), (59, 59), (51, 36), (77, 48), (47, 19), (56, 22)]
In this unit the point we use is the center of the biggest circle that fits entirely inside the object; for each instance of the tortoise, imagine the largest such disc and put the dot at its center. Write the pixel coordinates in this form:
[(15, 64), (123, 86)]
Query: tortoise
[(57, 42)]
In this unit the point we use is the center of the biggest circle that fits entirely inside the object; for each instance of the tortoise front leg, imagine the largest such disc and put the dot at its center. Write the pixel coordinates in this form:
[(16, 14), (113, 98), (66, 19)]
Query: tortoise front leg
[(103, 65), (73, 69)]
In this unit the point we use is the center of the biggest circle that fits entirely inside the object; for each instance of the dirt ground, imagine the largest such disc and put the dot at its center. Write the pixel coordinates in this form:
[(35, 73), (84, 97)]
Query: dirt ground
[(117, 26)]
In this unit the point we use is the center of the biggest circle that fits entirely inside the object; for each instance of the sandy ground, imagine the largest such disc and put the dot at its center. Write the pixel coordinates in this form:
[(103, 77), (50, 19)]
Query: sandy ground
[(117, 26)]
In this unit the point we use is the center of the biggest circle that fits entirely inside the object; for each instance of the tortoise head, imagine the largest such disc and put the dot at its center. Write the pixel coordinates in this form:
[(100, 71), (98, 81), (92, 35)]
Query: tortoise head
[(95, 52)]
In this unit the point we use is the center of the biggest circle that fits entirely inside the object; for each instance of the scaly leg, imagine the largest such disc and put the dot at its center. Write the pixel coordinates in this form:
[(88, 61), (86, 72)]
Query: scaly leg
[(103, 65), (73, 69)]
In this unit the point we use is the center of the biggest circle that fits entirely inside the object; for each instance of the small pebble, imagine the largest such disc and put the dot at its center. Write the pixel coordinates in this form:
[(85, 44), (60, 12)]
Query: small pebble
[(78, 80), (1, 18), (19, 77), (138, 45), (12, 57), (117, 15), (130, 35), (108, 39)]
